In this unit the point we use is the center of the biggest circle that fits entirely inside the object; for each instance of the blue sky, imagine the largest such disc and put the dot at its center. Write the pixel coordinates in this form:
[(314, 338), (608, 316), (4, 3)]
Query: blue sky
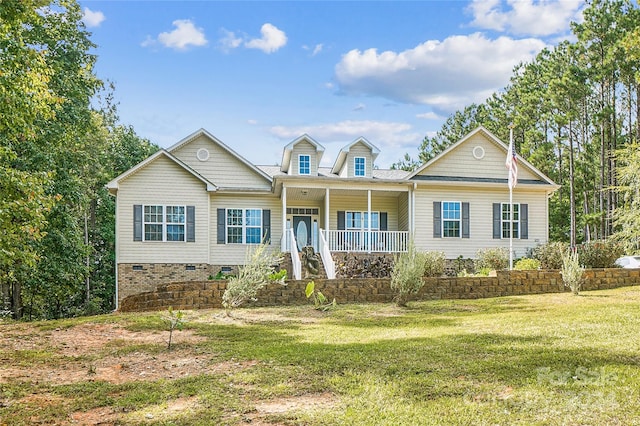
[(258, 75)]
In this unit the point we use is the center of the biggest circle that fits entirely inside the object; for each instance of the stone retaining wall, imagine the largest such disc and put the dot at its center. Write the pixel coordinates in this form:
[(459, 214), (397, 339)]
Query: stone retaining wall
[(208, 294)]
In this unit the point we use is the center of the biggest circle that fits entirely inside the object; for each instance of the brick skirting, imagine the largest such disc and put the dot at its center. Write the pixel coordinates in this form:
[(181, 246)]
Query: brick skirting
[(208, 294)]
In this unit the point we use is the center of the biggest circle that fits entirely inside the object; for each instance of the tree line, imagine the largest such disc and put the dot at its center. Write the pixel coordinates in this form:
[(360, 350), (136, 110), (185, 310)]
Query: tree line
[(576, 116), (57, 152), (575, 108)]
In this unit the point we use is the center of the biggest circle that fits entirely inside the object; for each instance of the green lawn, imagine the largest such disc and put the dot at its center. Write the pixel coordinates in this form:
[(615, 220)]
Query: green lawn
[(543, 359)]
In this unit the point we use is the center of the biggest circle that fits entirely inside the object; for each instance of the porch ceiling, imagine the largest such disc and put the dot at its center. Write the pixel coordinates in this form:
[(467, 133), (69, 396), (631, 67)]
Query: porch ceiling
[(317, 194)]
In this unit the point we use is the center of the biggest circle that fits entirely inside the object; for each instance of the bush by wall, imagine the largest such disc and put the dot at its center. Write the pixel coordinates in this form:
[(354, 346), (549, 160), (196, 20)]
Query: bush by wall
[(599, 254), (208, 294)]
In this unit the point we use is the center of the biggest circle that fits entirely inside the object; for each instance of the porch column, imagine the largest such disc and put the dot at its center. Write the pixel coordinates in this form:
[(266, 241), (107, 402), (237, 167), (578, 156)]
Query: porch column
[(413, 208), (409, 210), (326, 214), (283, 240), (369, 221)]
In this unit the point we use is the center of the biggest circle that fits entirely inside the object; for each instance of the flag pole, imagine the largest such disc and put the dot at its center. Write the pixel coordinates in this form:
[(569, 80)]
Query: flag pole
[(510, 205)]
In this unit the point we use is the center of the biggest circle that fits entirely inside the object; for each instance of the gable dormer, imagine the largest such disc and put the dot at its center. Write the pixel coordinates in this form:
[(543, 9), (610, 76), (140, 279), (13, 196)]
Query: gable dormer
[(356, 159), (302, 157)]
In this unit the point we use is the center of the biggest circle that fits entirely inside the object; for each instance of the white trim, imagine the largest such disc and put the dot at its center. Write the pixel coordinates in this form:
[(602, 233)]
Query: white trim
[(511, 221), (494, 139), (308, 157), (355, 166), (288, 149), (442, 219), (116, 257), (203, 132), (113, 185), (342, 155), (164, 223), (243, 226), (202, 154), (478, 152)]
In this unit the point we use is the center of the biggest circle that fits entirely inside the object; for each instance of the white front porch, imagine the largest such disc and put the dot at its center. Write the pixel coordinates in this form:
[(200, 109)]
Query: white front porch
[(345, 220)]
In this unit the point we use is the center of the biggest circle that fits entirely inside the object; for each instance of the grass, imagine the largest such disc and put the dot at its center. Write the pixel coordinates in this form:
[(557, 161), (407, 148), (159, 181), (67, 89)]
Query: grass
[(543, 359)]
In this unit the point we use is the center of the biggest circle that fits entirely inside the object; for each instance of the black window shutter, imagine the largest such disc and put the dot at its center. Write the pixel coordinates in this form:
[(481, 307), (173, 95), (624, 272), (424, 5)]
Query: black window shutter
[(383, 221), (437, 219), (137, 222), (266, 225), (497, 221), (465, 220), (524, 221), (222, 217), (191, 224), (341, 220)]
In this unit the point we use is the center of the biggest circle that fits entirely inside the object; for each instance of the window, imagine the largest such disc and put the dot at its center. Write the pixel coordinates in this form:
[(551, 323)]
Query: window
[(244, 226), (360, 220), (509, 223), (304, 165), (451, 219), (359, 166), (164, 223)]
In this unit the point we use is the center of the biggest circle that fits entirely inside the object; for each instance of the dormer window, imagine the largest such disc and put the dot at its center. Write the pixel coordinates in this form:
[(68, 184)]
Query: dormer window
[(359, 166), (304, 165)]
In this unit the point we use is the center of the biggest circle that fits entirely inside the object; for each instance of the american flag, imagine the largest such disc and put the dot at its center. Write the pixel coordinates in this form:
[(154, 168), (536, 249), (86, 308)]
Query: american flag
[(512, 166)]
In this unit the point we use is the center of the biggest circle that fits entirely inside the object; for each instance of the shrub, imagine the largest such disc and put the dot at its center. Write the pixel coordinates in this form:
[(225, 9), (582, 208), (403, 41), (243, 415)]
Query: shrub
[(253, 276), (492, 258), (600, 254), (527, 264), (175, 321), (571, 271), (434, 263), (550, 254), (320, 301), (407, 273)]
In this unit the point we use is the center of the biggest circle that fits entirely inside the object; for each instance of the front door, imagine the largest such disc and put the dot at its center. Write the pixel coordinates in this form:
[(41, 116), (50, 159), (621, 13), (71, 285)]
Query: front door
[(302, 230)]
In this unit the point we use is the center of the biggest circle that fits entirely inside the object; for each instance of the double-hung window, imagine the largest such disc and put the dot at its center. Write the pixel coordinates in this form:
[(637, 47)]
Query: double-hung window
[(359, 166), (244, 226), (510, 223), (164, 223), (360, 220), (451, 219), (304, 164)]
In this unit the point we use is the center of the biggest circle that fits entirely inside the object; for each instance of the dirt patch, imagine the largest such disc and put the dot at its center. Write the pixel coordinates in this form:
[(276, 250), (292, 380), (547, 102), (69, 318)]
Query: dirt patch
[(103, 416), (106, 416), (86, 340), (83, 339), (257, 315), (307, 402)]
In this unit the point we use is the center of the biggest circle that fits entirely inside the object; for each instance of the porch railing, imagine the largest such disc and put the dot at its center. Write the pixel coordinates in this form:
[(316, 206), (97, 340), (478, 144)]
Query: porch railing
[(365, 241), (327, 259), (295, 257)]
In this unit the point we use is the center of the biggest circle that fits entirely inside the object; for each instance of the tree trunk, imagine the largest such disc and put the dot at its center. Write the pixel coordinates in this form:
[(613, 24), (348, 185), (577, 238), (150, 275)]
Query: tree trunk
[(16, 299), (572, 193)]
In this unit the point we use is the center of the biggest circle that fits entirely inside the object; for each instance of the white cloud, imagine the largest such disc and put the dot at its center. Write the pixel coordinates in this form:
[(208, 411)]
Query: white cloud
[(526, 17), (185, 34), (447, 75), (92, 18), (229, 40), (252, 122), (429, 116), (359, 107), (317, 49), (272, 39)]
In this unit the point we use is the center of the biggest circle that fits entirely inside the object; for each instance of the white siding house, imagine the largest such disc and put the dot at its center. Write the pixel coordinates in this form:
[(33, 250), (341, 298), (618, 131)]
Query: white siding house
[(196, 208)]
